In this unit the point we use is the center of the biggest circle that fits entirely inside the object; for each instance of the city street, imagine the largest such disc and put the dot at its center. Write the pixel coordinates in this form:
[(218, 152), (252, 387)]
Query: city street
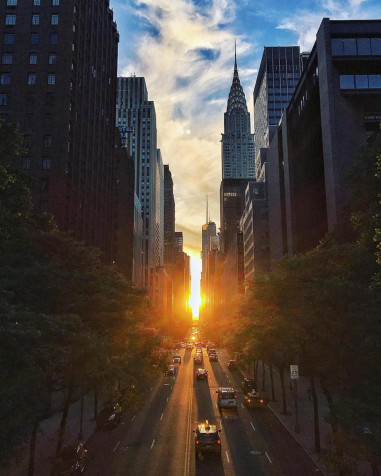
[(159, 440)]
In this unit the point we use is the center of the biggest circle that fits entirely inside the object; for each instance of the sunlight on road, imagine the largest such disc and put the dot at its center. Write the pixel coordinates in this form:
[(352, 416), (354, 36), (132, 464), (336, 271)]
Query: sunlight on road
[(195, 297)]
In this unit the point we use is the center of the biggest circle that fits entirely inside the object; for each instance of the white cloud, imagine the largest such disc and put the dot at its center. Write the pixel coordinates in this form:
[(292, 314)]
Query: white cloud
[(190, 94), (306, 22)]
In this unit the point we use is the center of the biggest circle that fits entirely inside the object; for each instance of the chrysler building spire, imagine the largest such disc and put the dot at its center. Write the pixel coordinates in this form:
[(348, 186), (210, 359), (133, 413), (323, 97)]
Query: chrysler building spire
[(237, 140)]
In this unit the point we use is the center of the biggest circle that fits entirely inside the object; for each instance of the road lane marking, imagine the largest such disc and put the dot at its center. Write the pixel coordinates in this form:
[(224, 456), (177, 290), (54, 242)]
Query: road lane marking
[(251, 423), (227, 457), (167, 399), (133, 418), (171, 387), (116, 446), (242, 405), (153, 442), (151, 389), (161, 416), (268, 457), (188, 434)]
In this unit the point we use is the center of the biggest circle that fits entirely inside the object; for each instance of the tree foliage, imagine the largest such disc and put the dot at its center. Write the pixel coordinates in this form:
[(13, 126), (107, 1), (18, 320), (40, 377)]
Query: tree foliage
[(322, 310), (65, 318)]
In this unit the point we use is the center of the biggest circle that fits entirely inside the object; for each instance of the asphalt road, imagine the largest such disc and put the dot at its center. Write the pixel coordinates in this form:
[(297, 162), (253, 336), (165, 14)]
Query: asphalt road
[(159, 441)]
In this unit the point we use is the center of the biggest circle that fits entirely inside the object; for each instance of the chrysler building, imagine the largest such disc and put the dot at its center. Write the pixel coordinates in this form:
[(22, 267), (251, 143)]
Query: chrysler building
[(237, 144)]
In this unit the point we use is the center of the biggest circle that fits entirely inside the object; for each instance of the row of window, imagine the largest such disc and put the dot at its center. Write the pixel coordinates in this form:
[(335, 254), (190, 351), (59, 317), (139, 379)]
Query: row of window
[(5, 79), (356, 46), (9, 38), (10, 19), (36, 3), (45, 164), (52, 59), (360, 81)]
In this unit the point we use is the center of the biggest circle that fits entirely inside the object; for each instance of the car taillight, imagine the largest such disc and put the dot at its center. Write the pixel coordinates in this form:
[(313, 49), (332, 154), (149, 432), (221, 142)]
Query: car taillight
[(261, 401), (219, 442), (197, 442)]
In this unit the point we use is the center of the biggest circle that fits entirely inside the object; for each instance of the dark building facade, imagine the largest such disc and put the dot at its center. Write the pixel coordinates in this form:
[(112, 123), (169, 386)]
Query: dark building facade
[(58, 82), (278, 75), (169, 217), (254, 227), (333, 112), (232, 204)]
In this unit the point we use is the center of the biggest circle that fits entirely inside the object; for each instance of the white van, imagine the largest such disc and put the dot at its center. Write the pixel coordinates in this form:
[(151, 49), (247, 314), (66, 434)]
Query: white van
[(226, 398)]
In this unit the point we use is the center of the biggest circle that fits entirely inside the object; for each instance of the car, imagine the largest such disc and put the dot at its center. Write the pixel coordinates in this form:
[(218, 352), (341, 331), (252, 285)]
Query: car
[(255, 399), (226, 398), (71, 460), (207, 439), (202, 374), (247, 385), (176, 359), (109, 416), (197, 359), (213, 357), (183, 345), (189, 347), (171, 370), (232, 365), (210, 345), (212, 350)]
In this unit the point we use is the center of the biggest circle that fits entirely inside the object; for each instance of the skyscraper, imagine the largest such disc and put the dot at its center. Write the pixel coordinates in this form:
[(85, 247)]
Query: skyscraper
[(58, 82), (169, 217), (278, 75), (237, 152), (136, 113), (237, 144)]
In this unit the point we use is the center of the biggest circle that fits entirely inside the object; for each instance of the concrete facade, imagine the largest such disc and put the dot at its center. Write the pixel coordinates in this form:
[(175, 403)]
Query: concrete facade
[(333, 112)]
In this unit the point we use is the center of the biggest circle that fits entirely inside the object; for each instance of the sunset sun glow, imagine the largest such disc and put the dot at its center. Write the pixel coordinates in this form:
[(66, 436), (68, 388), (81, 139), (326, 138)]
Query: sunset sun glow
[(195, 296)]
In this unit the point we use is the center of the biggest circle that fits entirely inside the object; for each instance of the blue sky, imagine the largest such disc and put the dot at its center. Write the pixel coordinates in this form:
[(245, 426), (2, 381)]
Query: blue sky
[(185, 50)]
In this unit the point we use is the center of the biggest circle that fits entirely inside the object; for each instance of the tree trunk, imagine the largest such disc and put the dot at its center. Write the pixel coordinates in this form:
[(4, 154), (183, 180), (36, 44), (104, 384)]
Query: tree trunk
[(281, 375), (65, 412), (95, 403), (272, 384), (316, 414), (263, 377), (375, 466), (256, 362), (32, 448)]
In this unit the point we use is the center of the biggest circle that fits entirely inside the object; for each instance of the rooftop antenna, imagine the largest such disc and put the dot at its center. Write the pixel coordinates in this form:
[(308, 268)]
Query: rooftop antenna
[(235, 54), (207, 206)]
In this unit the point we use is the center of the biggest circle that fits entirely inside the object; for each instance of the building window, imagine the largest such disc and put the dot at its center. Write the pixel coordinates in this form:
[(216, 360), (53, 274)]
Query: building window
[(44, 185), (26, 163), (29, 100), (34, 40), (50, 99), (375, 44), (10, 19), (362, 81), (36, 3), (47, 141), (7, 58), (27, 141), (363, 46), (55, 3), (28, 120), (3, 99), (32, 78), (5, 78), (11, 3), (36, 19), (33, 58), (9, 38), (46, 164), (53, 38), (51, 78), (52, 58), (54, 19), (375, 81)]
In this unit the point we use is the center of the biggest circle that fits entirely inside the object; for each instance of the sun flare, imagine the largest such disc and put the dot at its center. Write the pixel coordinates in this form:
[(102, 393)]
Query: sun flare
[(195, 296)]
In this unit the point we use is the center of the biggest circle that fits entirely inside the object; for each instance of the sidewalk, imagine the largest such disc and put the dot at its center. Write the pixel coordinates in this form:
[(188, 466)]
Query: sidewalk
[(48, 435)]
